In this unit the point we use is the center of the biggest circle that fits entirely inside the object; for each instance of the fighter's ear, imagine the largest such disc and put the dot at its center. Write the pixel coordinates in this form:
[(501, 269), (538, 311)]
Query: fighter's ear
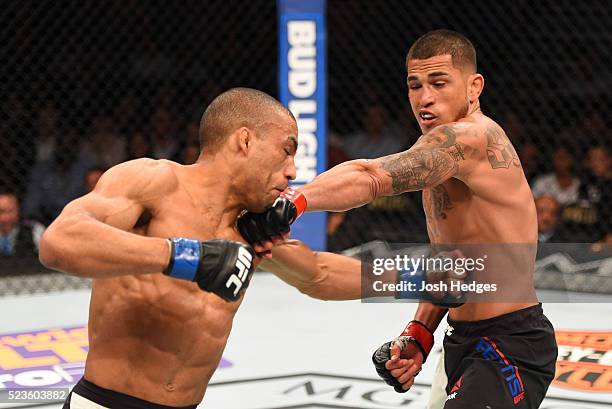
[(475, 86), (244, 139)]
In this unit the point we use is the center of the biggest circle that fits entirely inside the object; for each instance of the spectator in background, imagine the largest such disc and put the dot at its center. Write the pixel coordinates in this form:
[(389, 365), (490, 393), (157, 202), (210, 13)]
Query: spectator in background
[(379, 137), (548, 219), (17, 137), (598, 164), (514, 127), (127, 114), (190, 148), (47, 127), (105, 146), (529, 154), (163, 139), (594, 126), (56, 181), (335, 156), (139, 146), (17, 237), (92, 176), (192, 132), (589, 218), (11, 168), (189, 153), (562, 184)]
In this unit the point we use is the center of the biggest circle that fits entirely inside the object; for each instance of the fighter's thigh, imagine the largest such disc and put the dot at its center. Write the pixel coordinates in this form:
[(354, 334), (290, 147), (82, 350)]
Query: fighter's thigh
[(483, 385)]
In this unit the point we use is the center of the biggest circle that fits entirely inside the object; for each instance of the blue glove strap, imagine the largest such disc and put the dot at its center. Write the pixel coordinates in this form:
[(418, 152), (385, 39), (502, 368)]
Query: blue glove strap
[(415, 277), (185, 258)]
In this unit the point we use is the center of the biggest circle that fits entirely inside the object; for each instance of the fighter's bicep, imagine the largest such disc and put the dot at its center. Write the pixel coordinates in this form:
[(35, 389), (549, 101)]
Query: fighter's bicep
[(117, 211), (124, 192)]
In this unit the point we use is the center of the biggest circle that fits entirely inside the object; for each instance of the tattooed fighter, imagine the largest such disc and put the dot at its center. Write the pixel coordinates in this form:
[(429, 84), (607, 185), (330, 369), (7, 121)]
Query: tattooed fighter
[(474, 191)]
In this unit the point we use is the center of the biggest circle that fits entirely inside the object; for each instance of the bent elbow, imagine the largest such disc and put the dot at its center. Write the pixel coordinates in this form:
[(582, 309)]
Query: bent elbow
[(51, 253), (47, 254)]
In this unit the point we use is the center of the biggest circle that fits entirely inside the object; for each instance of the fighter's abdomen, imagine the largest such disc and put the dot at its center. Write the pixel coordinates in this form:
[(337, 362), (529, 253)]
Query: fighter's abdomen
[(155, 338)]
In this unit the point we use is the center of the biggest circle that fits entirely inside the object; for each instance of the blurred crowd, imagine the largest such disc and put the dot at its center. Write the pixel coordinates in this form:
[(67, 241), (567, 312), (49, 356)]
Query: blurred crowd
[(49, 160)]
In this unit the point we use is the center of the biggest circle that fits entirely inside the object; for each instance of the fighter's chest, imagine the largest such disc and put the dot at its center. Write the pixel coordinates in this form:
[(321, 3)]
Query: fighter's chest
[(198, 222)]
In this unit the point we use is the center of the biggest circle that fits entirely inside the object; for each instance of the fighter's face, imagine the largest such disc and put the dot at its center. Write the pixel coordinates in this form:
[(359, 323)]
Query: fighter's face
[(438, 91), (9, 213), (272, 162)]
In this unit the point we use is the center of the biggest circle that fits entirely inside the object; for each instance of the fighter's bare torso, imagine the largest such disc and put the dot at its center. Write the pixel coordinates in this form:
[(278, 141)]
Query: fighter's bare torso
[(492, 205), (155, 337)]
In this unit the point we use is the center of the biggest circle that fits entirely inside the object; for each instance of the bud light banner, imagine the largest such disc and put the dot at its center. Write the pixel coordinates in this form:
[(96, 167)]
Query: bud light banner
[(303, 85)]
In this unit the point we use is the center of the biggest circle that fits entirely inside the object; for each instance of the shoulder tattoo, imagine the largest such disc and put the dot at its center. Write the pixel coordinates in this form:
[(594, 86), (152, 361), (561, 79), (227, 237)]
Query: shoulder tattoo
[(500, 152)]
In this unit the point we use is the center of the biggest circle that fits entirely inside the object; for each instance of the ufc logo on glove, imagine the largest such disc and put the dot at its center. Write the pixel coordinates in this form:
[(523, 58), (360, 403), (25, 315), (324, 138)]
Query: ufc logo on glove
[(243, 264)]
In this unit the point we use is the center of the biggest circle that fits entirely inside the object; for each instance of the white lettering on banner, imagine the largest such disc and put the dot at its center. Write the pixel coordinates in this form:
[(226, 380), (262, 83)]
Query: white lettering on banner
[(302, 84), (39, 377), (302, 58)]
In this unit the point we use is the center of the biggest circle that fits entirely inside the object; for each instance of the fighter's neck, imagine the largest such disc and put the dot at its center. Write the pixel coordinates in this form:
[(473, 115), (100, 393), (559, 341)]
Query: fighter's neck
[(210, 187), (474, 109)]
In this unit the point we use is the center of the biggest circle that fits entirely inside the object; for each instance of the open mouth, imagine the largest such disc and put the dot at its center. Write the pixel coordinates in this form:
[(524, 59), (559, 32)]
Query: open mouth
[(427, 118)]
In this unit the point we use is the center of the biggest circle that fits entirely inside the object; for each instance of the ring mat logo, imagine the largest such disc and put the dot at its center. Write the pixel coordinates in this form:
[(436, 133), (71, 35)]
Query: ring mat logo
[(584, 361)]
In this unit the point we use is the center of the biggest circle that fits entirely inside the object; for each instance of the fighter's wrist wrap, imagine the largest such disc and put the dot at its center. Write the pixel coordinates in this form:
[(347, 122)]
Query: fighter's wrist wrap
[(185, 257), (421, 335), (223, 267), (297, 198)]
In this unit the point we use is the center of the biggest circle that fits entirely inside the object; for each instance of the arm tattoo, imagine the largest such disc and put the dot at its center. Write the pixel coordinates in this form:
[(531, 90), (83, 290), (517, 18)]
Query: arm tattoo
[(500, 151), (432, 160)]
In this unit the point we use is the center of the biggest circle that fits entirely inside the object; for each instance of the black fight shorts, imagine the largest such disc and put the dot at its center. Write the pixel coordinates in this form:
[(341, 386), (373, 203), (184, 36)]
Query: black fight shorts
[(502, 362)]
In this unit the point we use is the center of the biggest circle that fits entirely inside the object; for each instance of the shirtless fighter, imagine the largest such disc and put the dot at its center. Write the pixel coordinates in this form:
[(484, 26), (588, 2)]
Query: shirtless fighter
[(498, 355), (169, 269)]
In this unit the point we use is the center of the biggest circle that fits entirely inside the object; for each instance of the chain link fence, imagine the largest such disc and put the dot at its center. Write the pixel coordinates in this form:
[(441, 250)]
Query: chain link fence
[(86, 85)]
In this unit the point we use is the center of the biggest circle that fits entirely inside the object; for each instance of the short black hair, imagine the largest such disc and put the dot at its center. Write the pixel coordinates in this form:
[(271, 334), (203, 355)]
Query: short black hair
[(6, 191), (235, 108), (441, 42)]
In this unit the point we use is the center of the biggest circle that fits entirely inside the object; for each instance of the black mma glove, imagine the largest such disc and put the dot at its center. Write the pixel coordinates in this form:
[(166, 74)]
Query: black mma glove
[(257, 228), (415, 334), (223, 267), (380, 357)]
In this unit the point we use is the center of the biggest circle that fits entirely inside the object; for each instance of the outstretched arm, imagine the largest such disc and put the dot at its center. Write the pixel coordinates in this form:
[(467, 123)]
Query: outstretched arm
[(446, 151), (322, 275)]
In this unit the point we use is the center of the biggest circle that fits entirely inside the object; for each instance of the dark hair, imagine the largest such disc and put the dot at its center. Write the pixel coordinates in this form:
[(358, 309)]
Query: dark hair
[(96, 168), (232, 109), (599, 145), (6, 191), (441, 42)]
